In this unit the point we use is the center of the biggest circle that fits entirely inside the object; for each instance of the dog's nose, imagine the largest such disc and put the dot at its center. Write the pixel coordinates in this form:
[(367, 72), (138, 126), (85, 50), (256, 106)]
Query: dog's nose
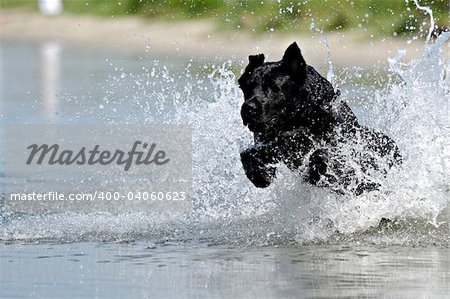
[(251, 111)]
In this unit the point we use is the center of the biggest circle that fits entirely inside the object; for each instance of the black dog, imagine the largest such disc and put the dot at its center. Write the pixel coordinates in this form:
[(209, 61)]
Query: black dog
[(297, 118)]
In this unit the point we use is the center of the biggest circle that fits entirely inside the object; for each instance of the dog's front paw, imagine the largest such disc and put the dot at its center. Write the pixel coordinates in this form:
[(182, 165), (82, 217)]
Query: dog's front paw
[(259, 166)]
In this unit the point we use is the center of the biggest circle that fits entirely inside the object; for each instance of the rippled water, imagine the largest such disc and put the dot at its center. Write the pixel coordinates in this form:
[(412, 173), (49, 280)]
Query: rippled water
[(174, 269), (292, 238)]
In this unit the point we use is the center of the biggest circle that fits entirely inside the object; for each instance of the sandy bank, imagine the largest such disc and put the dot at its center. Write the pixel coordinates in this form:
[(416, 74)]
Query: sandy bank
[(197, 39)]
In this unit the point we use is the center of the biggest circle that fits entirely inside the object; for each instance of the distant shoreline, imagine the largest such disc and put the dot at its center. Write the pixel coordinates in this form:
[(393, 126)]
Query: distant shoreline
[(198, 39)]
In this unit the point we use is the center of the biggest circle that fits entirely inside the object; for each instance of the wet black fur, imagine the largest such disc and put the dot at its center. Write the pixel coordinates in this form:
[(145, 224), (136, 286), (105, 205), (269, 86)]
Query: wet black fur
[(298, 119)]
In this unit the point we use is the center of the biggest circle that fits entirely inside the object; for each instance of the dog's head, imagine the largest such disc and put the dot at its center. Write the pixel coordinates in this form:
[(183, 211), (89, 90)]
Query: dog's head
[(269, 88), (285, 95)]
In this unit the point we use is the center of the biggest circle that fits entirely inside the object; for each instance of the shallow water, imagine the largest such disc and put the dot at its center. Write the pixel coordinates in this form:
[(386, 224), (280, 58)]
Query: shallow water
[(290, 239), (173, 269)]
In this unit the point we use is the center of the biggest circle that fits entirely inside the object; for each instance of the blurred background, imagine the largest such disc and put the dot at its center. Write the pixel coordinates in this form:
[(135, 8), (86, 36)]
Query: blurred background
[(211, 30), (379, 17)]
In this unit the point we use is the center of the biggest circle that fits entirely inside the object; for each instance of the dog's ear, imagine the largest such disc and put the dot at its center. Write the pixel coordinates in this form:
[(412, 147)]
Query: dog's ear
[(294, 63), (256, 60)]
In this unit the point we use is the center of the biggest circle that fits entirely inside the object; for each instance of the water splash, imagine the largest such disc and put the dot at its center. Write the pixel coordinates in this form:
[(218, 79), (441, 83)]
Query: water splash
[(429, 11), (412, 108)]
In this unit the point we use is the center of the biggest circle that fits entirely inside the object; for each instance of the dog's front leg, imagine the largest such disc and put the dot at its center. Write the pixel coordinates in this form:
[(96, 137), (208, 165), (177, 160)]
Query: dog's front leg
[(318, 164), (294, 145), (259, 164)]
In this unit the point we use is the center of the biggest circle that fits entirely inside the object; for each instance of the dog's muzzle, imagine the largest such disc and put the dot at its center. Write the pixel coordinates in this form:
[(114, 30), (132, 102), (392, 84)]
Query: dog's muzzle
[(251, 113)]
